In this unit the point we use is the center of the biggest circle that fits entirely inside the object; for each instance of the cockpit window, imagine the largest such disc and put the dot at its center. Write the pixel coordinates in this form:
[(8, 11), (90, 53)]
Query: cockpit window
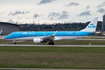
[(10, 34)]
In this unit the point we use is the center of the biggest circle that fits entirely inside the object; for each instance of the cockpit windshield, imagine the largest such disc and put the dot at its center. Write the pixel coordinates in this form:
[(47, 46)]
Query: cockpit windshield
[(10, 34)]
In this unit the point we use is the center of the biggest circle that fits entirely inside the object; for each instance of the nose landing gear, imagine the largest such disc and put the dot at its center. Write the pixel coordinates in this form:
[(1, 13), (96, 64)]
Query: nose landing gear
[(14, 41)]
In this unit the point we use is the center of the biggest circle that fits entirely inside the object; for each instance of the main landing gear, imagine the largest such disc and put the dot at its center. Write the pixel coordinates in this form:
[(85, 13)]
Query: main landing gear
[(51, 43)]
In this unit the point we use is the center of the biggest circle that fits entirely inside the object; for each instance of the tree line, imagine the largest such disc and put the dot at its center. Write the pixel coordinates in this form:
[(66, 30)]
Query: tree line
[(58, 26)]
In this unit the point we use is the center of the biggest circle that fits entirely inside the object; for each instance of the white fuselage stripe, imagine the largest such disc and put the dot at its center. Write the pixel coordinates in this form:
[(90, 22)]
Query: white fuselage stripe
[(55, 38)]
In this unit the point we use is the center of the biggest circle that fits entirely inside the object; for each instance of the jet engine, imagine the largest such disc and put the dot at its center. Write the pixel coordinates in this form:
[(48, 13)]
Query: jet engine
[(37, 40)]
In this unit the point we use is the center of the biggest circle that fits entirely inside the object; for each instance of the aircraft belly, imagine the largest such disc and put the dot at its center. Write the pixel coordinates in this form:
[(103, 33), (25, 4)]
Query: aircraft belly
[(68, 37)]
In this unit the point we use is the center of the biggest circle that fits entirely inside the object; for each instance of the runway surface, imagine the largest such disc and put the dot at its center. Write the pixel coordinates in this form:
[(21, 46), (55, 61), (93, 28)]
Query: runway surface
[(53, 45)]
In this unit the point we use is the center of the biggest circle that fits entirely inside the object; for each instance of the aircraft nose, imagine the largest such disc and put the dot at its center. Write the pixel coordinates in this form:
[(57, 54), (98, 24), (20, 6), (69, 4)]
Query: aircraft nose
[(6, 37)]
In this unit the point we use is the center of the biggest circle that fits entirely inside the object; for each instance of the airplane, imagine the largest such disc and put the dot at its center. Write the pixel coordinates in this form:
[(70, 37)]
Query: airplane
[(1, 31), (51, 36)]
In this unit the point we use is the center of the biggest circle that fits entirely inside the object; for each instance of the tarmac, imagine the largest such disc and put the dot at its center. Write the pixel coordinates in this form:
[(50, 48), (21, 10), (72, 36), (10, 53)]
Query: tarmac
[(52, 45), (2, 36)]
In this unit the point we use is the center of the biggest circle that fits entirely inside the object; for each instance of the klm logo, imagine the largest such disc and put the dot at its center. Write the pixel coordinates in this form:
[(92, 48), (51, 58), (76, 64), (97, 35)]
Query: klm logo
[(25, 33), (91, 26)]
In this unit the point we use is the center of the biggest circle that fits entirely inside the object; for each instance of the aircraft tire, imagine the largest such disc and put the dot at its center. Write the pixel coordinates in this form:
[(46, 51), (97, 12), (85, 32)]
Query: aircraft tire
[(51, 43)]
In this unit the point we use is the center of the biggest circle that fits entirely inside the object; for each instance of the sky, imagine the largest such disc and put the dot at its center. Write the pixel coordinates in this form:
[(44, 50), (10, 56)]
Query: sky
[(50, 11)]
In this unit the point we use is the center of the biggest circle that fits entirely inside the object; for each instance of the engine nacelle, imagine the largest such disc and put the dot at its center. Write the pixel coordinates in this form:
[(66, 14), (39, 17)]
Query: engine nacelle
[(37, 40)]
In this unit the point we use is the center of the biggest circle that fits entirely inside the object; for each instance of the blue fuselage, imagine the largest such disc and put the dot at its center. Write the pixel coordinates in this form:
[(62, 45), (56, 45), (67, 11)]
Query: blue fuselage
[(40, 34)]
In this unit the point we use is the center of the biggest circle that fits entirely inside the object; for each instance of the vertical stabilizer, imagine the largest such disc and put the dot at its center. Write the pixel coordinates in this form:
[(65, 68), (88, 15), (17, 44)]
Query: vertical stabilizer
[(92, 25)]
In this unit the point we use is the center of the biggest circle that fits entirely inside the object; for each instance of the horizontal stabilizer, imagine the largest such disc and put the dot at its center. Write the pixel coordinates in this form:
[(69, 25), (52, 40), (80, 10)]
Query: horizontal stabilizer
[(91, 33)]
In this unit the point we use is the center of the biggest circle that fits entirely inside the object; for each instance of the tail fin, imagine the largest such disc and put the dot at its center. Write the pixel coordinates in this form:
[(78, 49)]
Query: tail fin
[(92, 25)]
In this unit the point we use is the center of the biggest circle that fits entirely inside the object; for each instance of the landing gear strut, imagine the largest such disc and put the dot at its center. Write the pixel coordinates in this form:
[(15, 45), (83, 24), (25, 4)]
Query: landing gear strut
[(51, 43), (14, 41)]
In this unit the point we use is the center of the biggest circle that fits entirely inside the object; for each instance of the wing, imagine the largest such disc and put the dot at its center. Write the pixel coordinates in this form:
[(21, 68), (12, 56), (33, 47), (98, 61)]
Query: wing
[(49, 38)]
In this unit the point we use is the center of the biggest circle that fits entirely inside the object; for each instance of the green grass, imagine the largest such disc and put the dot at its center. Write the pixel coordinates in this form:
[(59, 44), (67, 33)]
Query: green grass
[(52, 57)]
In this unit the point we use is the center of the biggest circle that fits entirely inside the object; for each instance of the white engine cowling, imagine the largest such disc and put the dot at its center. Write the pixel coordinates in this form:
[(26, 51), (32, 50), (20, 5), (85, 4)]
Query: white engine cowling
[(37, 40)]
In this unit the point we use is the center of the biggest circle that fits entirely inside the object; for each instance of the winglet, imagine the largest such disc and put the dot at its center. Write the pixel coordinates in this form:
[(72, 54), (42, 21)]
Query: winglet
[(54, 33)]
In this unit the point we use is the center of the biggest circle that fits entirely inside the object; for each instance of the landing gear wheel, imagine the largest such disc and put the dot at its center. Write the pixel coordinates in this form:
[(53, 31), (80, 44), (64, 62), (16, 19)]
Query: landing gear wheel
[(51, 43)]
